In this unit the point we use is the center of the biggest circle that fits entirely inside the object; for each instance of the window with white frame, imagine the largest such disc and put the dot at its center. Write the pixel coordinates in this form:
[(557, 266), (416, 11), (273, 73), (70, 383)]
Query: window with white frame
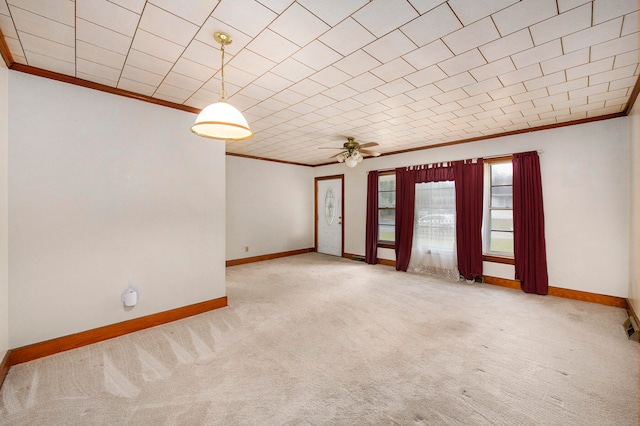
[(498, 215)]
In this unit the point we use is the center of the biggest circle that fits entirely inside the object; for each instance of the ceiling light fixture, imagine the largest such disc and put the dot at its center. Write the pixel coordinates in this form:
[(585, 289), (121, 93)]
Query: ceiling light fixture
[(221, 120)]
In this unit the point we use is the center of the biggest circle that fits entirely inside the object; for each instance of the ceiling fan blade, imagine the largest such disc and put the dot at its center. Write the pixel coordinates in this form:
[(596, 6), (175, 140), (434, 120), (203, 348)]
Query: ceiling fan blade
[(368, 144), (333, 156), (371, 153)]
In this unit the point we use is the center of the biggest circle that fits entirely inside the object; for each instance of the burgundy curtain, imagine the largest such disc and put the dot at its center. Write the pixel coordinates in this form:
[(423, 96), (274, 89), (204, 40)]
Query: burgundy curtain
[(469, 187), (406, 180), (371, 249), (528, 224)]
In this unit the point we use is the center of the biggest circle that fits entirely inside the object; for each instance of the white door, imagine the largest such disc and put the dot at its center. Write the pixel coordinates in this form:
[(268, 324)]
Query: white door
[(329, 216)]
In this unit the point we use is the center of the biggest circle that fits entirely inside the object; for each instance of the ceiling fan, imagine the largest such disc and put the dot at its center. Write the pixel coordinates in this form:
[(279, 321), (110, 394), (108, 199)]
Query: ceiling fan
[(353, 152)]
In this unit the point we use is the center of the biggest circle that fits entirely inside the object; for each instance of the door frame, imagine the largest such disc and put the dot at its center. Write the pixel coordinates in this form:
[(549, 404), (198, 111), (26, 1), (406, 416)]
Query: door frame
[(315, 209)]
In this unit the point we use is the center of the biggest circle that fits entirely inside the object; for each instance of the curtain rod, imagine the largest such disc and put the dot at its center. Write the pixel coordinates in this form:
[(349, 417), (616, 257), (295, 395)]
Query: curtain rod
[(489, 157)]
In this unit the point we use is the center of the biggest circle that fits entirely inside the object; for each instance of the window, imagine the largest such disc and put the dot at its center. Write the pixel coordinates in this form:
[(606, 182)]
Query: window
[(498, 223), (387, 208)]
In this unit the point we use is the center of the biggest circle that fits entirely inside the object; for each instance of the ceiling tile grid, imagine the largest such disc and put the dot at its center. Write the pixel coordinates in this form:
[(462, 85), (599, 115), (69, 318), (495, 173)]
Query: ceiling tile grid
[(403, 73)]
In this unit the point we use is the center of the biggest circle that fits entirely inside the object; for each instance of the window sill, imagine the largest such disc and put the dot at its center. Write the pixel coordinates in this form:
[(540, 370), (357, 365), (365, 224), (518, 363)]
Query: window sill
[(498, 259), (386, 245)]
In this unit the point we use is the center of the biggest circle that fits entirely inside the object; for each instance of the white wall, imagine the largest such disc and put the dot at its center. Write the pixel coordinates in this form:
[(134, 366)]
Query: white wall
[(585, 174), (4, 210), (634, 194), (106, 191), (269, 207)]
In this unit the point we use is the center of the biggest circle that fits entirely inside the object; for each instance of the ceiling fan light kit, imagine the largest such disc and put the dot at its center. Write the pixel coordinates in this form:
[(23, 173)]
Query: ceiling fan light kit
[(352, 152), (222, 120)]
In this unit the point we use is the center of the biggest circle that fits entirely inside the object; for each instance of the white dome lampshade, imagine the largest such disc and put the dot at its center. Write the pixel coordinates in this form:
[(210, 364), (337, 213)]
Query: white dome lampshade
[(351, 161), (222, 121)]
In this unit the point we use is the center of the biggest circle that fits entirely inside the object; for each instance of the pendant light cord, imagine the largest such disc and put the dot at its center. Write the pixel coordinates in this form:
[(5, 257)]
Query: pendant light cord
[(223, 94)]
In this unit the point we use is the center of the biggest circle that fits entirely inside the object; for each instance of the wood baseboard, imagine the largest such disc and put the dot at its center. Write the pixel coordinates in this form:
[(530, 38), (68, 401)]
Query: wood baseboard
[(271, 256), (83, 338), (618, 302), (4, 367), (386, 262), (632, 312)]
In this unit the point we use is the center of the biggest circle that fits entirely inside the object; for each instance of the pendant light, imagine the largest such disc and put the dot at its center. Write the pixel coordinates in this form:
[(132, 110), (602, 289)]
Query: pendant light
[(221, 120)]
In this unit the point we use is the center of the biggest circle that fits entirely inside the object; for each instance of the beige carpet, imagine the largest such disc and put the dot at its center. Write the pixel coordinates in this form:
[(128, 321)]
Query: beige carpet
[(314, 339)]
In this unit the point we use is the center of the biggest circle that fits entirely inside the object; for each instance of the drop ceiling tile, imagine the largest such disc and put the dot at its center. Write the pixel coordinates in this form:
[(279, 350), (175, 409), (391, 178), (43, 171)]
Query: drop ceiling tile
[(592, 35), (471, 36), (308, 87), (108, 15), (99, 55), (615, 74), (292, 70), (7, 26), (243, 102), (332, 12), (524, 14), (153, 45), (455, 82), (348, 104), (590, 68), (340, 92), (483, 86), (256, 92), (347, 37), (201, 98), (252, 62), (536, 54), (374, 108), (195, 11), (236, 76), (319, 100), (167, 26), (141, 76), (178, 80), (506, 46), (59, 11), (630, 24), (204, 54), (397, 101), (446, 108), (364, 82), (426, 76), (277, 6), (626, 83), (561, 25), (461, 63), (98, 36), (40, 26), (428, 55), (357, 63), (133, 5), (469, 12), (289, 97), (585, 108), (147, 62), (169, 98), (432, 25), (475, 100), (382, 16), (568, 86), (546, 80), (48, 48), (626, 59), (96, 79), (16, 49), (451, 96), (193, 70), (605, 10), (424, 92), (389, 47), (560, 97), (247, 16), (317, 55), (272, 45), (98, 70), (39, 60), (393, 70), (493, 69), (508, 91), (569, 60), (272, 81), (212, 25), (620, 45), (136, 86), (527, 96), (330, 76), (396, 87), (522, 74), (298, 25)]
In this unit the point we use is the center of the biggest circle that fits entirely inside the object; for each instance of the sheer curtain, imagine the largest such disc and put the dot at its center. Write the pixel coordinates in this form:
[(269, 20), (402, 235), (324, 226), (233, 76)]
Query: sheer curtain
[(433, 250)]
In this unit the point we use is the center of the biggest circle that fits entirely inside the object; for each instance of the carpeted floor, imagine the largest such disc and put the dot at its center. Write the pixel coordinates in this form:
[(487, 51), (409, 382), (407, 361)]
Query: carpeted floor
[(315, 339)]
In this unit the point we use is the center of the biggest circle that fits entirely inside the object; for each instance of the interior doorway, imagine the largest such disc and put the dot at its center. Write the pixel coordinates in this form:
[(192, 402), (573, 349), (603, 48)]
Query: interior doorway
[(329, 229)]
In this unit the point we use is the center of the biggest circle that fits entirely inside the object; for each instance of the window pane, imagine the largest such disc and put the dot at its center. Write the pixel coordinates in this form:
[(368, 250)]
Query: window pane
[(502, 197), (387, 182), (387, 199), (501, 174), (501, 242), (386, 233), (387, 216), (502, 220)]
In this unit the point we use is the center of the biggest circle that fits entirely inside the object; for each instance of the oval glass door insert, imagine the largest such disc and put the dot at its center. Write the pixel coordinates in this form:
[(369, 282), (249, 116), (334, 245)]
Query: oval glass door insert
[(329, 206)]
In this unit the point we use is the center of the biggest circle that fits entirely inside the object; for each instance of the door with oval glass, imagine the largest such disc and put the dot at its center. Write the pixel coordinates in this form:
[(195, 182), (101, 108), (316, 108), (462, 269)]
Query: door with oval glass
[(329, 215)]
